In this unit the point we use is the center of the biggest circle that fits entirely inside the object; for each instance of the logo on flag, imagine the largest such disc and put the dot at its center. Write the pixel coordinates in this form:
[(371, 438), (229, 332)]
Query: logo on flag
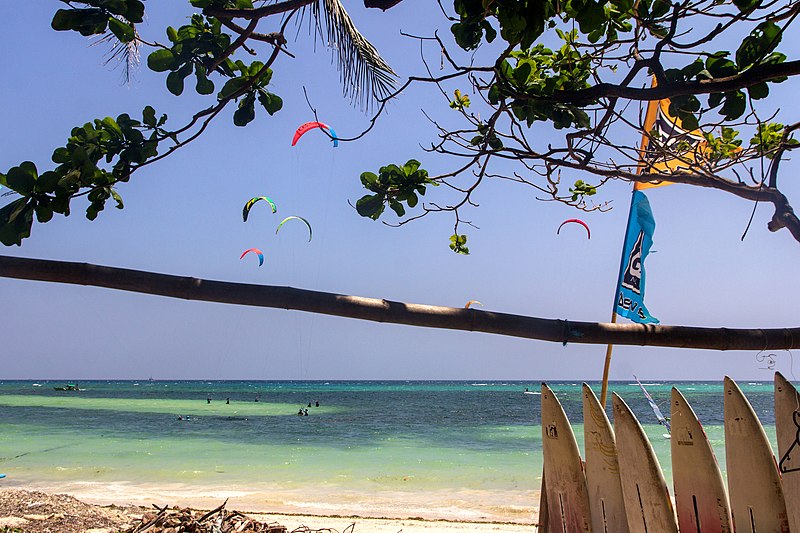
[(638, 240), (666, 145)]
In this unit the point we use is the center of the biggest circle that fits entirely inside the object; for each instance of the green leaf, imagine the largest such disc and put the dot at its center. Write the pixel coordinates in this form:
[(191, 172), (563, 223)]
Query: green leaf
[(22, 178), (758, 91), (458, 243), (123, 32), (397, 207), (91, 21), (149, 116), (231, 87), (47, 182), (204, 85), (135, 11), (271, 102), (16, 220), (175, 83), (591, 17), (744, 5), (161, 60), (246, 112), (734, 106), (63, 20), (117, 198), (756, 46), (370, 206), (111, 125), (369, 179), (44, 213)]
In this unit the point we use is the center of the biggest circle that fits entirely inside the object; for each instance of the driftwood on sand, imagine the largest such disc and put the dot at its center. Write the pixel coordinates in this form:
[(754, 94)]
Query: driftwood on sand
[(23, 511)]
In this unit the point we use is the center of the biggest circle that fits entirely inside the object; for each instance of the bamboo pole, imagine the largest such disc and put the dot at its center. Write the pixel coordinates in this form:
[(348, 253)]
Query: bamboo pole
[(378, 310)]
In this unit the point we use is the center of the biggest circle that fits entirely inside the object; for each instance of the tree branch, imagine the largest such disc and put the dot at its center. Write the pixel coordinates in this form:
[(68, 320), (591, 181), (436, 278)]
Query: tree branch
[(376, 310), (753, 76), (259, 12)]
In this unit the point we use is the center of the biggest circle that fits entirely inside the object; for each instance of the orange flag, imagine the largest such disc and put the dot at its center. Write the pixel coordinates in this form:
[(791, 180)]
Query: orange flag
[(663, 138)]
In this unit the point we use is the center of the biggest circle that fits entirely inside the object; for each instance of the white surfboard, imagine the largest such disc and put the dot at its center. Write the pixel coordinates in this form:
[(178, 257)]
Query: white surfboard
[(787, 426), (542, 522), (647, 502), (602, 468), (754, 485), (567, 498), (701, 500)]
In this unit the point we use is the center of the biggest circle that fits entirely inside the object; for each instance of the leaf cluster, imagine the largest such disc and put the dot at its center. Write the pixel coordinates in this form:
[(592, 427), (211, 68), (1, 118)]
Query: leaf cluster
[(123, 143), (95, 16), (530, 77), (200, 47), (458, 243), (582, 189), (393, 186), (768, 139)]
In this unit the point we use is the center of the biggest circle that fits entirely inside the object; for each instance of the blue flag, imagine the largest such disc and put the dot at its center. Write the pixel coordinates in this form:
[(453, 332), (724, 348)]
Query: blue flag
[(638, 240)]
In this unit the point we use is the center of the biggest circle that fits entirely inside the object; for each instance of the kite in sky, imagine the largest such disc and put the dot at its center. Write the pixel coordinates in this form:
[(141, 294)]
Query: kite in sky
[(575, 221), (308, 126), (297, 218), (255, 251), (251, 202)]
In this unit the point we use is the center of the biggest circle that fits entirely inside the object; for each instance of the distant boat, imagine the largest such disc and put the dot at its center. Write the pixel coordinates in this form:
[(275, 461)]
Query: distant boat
[(68, 386), (661, 418)]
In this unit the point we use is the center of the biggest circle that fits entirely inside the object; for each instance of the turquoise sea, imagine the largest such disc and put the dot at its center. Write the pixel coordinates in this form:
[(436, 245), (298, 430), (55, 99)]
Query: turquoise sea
[(466, 450)]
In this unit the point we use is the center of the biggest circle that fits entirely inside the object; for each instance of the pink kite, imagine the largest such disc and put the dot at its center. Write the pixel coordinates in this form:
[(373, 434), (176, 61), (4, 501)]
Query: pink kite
[(310, 126), (576, 221), (255, 251)]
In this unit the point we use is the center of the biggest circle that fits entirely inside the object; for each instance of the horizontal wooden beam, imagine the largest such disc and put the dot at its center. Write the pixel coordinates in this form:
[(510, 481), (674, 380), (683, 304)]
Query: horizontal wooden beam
[(379, 310)]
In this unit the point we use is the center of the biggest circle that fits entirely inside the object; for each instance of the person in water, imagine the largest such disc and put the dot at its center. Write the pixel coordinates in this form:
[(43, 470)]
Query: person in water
[(208, 399), (305, 412), (227, 401), (300, 412), (317, 403)]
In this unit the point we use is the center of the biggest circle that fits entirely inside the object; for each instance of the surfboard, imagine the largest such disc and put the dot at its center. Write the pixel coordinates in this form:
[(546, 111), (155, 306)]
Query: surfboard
[(754, 485), (700, 496), (647, 502), (602, 468), (542, 524), (567, 498), (787, 426)]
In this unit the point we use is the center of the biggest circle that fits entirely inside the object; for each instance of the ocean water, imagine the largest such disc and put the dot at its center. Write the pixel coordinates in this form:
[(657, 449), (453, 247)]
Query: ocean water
[(466, 450)]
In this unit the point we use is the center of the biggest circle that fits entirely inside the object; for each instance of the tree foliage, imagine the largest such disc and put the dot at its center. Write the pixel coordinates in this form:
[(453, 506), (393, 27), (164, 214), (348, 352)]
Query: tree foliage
[(584, 68)]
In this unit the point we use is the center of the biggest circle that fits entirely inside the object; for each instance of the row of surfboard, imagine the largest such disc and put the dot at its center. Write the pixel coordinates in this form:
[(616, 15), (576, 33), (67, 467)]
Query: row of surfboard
[(621, 489)]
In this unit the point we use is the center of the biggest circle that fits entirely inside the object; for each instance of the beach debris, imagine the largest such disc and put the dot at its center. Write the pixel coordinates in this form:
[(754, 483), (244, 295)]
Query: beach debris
[(220, 520), (308, 126), (35, 512), (253, 200), (306, 529)]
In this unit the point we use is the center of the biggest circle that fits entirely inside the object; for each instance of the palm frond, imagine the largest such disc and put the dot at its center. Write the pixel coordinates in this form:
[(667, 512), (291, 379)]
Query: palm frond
[(121, 53), (364, 74)]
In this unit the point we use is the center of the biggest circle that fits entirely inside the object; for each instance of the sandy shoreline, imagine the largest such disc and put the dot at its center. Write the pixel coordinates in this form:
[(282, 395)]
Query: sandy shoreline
[(30, 510)]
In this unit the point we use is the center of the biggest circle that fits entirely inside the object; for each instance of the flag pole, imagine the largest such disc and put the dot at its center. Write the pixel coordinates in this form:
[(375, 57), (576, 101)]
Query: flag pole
[(649, 120), (607, 364)]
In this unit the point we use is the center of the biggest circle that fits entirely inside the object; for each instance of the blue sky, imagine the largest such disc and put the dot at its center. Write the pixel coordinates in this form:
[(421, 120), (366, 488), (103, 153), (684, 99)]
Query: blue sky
[(183, 217)]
